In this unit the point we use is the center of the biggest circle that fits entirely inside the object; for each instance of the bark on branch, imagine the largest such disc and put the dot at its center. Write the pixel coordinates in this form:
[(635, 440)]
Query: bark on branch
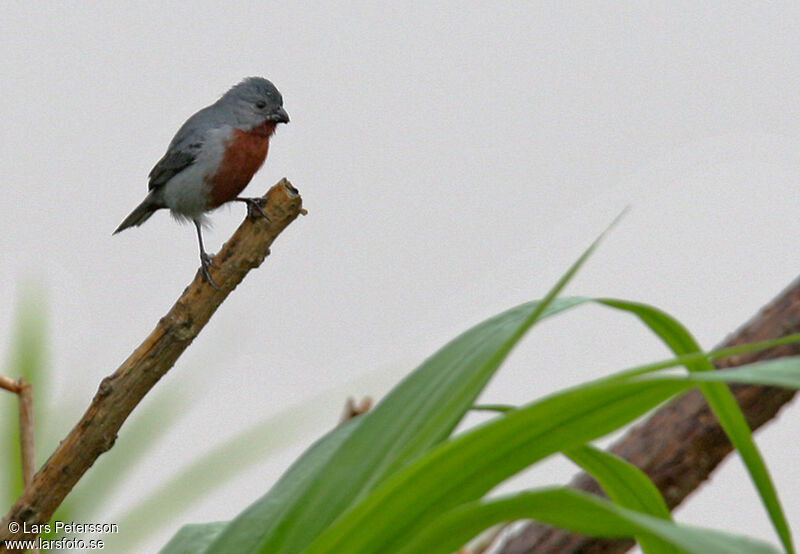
[(681, 444), (120, 392)]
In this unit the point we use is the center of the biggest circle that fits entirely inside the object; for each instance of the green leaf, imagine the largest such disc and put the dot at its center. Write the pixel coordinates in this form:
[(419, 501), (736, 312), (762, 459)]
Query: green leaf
[(414, 417), (627, 486), (261, 515), (411, 479), (722, 403), (578, 512), (468, 466), (780, 372), (623, 482), (193, 538), (260, 520), (685, 359)]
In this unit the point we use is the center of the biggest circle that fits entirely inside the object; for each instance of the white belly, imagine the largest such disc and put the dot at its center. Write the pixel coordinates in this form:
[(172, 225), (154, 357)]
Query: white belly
[(187, 193)]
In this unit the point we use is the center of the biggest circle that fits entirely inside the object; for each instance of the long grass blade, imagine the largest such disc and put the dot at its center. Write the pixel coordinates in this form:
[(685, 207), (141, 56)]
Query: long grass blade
[(722, 403), (627, 486), (577, 512)]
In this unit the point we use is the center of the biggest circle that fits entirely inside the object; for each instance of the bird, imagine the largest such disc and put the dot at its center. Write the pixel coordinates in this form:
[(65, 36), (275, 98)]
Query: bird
[(212, 158)]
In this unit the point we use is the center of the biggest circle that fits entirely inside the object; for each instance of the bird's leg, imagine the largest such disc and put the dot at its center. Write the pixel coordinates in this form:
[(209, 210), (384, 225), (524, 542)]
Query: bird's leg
[(205, 259), (254, 206)]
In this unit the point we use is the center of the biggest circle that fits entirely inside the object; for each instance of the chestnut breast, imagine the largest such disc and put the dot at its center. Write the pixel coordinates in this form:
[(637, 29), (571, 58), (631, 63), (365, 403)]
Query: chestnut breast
[(244, 155)]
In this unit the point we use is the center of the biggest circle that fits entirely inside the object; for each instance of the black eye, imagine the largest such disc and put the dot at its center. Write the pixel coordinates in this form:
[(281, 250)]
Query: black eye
[(261, 104)]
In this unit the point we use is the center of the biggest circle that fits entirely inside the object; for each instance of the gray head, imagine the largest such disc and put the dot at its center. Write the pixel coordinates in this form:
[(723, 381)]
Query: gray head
[(255, 101)]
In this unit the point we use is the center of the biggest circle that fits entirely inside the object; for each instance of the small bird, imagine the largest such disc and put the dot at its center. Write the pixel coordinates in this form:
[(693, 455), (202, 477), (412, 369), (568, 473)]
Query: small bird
[(212, 158)]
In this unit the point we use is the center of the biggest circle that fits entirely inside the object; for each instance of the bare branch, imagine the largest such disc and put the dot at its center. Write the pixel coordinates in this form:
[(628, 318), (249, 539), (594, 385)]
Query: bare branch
[(120, 392), (24, 392), (26, 431), (681, 444), (9, 384), (351, 409)]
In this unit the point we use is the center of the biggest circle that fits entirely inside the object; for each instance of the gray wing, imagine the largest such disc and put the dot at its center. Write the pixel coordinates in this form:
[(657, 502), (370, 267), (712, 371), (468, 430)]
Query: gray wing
[(185, 146), (170, 165)]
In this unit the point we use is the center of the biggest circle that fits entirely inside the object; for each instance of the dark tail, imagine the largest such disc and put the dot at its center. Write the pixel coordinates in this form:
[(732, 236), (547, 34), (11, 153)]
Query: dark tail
[(141, 214)]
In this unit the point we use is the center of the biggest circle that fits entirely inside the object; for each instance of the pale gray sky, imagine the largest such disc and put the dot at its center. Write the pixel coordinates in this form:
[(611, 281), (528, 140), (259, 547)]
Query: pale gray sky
[(454, 158)]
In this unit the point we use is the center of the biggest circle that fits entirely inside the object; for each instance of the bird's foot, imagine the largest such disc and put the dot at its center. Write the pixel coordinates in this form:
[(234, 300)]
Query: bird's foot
[(255, 207), (207, 262)]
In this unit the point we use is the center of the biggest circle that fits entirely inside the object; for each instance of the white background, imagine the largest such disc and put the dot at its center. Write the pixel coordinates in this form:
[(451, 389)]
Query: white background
[(454, 159)]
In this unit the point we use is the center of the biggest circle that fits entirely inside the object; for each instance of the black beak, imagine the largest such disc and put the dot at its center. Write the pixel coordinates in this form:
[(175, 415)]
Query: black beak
[(279, 116)]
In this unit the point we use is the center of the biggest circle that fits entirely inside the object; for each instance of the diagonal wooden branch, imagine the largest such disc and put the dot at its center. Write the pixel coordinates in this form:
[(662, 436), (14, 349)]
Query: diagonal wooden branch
[(681, 444), (120, 392)]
